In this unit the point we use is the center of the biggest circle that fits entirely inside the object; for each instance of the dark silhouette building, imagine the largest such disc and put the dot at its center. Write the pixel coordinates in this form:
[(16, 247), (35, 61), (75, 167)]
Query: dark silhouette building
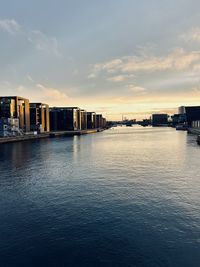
[(16, 107), (192, 115), (178, 119), (159, 119), (64, 118), (39, 117), (95, 120), (181, 110), (99, 121), (91, 120), (83, 119)]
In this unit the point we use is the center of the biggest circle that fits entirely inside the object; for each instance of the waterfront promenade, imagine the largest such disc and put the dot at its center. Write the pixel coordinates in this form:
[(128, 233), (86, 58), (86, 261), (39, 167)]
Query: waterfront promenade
[(27, 137)]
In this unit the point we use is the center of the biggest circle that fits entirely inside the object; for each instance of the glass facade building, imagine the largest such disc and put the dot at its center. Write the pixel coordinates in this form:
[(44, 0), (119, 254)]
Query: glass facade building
[(16, 107), (65, 119), (39, 117)]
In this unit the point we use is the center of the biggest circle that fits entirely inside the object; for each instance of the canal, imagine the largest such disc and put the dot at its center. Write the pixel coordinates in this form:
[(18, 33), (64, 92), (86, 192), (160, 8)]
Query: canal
[(122, 197)]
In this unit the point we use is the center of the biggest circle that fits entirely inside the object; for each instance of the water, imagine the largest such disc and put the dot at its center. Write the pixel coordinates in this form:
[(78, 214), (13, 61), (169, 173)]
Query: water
[(124, 197)]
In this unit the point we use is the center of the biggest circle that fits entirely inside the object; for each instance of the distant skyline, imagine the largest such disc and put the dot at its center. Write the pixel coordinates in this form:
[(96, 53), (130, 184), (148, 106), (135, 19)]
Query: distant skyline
[(113, 56)]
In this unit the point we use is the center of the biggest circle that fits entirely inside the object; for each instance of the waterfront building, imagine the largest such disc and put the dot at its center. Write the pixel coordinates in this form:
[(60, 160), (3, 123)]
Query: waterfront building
[(91, 120), (39, 117), (181, 110), (196, 124), (178, 119), (192, 115), (79, 119), (65, 119), (159, 119), (9, 127), (99, 122), (83, 119), (175, 119), (95, 120), (15, 107)]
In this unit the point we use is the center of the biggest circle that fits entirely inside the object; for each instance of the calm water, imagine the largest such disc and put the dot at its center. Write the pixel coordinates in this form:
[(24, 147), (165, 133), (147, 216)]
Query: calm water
[(124, 197)]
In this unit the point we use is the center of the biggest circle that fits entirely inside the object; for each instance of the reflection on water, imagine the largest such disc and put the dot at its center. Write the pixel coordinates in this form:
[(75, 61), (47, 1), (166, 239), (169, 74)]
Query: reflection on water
[(124, 197)]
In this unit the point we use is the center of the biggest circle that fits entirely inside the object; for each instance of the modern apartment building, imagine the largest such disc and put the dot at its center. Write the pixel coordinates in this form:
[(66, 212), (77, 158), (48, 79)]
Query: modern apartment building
[(15, 107), (83, 119), (39, 117), (64, 118), (91, 117), (99, 121)]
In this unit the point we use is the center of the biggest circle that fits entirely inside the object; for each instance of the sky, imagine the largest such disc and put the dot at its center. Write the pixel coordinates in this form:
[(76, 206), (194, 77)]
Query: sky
[(116, 57)]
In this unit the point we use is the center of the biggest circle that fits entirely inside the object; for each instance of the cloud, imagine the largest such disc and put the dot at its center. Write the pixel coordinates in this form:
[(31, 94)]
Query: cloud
[(91, 76), (196, 68), (38, 39), (29, 78), (178, 59), (181, 60), (43, 43), (119, 78), (52, 94), (110, 65), (191, 35), (137, 90), (10, 26)]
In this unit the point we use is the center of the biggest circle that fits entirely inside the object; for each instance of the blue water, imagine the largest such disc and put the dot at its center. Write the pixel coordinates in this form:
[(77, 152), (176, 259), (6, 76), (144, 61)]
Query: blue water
[(123, 197)]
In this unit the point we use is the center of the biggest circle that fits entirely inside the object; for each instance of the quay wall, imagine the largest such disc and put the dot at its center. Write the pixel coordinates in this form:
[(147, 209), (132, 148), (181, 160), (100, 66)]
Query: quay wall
[(194, 131), (29, 137)]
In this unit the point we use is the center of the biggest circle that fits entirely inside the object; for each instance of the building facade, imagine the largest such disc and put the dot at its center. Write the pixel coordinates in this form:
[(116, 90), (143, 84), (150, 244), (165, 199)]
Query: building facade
[(159, 119), (181, 110), (15, 107), (196, 124), (99, 121), (39, 117), (91, 120), (178, 119), (9, 127), (83, 119), (192, 115), (95, 119), (65, 119)]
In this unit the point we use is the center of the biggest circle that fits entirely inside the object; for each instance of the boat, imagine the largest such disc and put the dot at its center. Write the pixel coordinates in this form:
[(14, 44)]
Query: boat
[(181, 127)]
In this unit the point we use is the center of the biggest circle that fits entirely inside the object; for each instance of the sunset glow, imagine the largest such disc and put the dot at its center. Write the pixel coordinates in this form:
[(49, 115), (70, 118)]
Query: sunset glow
[(98, 58)]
